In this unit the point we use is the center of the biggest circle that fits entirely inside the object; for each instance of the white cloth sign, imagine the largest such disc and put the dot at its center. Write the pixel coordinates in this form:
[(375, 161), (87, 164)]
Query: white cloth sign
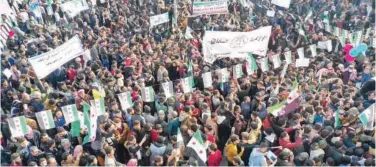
[(46, 63), (276, 61), (220, 44), (313, 50), (210, 7), (288, 57), (7, 73), (282, 3), (329, 46), (207, 79), (301, 62), (270, 13), (300, 53), (73, 8), (159, 19)]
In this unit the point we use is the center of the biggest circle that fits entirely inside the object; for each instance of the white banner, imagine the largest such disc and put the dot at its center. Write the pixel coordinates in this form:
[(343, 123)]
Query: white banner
[(207, 79), (210, 7), (220, 44), (282, 3), (73, 8), (46, 63), (159, 19)]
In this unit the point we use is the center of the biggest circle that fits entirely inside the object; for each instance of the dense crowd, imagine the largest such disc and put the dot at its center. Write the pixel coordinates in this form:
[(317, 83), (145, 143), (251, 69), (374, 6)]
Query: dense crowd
[(231, 119)]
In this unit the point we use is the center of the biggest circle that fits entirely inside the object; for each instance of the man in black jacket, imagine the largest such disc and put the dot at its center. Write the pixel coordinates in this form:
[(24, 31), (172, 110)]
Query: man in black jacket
[(247, 147)]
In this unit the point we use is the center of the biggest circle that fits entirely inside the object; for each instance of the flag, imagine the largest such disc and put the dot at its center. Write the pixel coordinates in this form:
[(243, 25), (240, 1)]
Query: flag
[(302, 32), (197, 144), (368, 31), (179, 139), (207, 79), (18, 126), (186, 84), (326, 20), (90, 122), (75, 128), (328, 28), (276, 61), (70, 113), (309, 15), (300, 52), (251, 14), (237, 71), (336, 31), (284, 70), (147, 94), (98, 106), (343, 37), (264, 64), (168, 89), (125, 99), (288, 57), (45, 119), (188, 34), (313, 49), (251, 64), (367, 117), (337, 121), (223, 75), (357, 37), (294, 93), (329, 45), (96, 94), (277, 108), (190, 73)]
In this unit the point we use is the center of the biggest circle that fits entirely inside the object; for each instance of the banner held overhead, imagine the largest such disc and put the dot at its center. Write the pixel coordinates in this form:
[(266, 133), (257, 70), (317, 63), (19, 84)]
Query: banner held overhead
[(210, 7)]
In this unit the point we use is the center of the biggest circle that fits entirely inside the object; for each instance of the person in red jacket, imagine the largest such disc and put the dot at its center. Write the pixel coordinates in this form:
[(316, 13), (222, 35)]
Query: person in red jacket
[(215, 156), (285, 142)]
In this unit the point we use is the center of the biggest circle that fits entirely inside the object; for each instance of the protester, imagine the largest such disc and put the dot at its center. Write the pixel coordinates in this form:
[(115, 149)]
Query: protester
[(124, 99)]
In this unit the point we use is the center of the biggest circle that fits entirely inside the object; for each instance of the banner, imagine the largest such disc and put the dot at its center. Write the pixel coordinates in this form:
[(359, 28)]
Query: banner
[(5, 8), (159, 19), (207, 79), (282, 3), (125, 99), (48, 62), (73, 8), (220, 44), (45, 119), (70, 113), (18, 126), (168, 89), (210, 7)]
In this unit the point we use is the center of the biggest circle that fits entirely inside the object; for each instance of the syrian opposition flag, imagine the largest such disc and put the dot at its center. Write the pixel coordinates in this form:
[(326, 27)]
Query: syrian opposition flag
[(251, 64), (207, 79), (186, 84), (76, 126), (336, 31), (294, 92), (18, 126), (288, 57), (337, 121), (45, 119), (147, 94), (125, 99), (197, 144), (277, 109), (190, 73), (223, 75), (300, 52), (98, 106), (90, 120), (168, 89), (357, 37), (309, 15), (367, 117), (313, 49), (264, 64), (237, 71), (70, 113)]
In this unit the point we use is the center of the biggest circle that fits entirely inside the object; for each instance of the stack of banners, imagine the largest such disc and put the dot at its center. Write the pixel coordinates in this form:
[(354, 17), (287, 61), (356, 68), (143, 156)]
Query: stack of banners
[(70, 113), (288, 57), (207, 79), (98, 106), (276, 61), (237, 71), (294, 93), (282, 3), (45, 119), (302, 62), (48, 62), (221, 44), (300, 52), (74, 7), (147, 94), (223, 75), (168, 89), (188, 34), (284, 108), (125, 99), (251, 64), (313, 50), (187, 85), (197, 144), (367, 117), (159, 19), (90, 120), (264, 64), (18, 126), (210, 7)]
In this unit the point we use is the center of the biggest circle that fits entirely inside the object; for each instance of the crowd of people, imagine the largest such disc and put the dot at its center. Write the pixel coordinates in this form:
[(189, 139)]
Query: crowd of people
[(232, 118)]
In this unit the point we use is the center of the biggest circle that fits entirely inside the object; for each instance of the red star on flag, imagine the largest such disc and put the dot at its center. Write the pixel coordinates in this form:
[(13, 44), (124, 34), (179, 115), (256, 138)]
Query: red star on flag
[(290, 98), (92, 126), (46, 125), (45, 119), (17, 120), (92, 115), (201, 152), (193, 143)]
